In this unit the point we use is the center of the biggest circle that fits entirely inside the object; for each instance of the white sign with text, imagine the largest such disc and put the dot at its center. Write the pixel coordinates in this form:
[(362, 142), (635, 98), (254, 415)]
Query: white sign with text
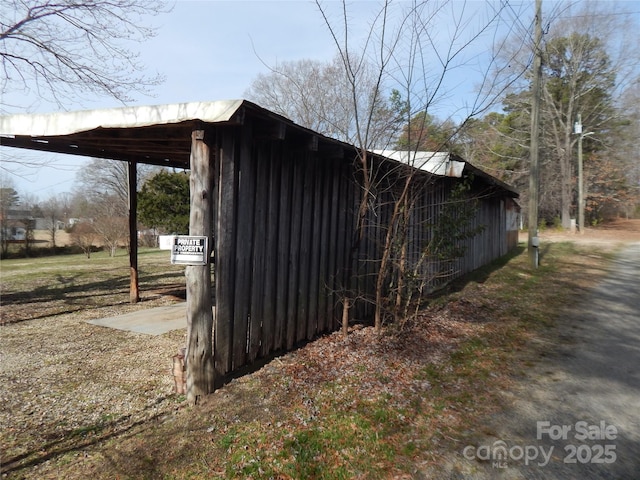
[(189, 250)]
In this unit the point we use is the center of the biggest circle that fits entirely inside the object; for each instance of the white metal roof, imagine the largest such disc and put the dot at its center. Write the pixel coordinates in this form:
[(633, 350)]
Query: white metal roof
[(438, 163), (161, 135), (66, 123)]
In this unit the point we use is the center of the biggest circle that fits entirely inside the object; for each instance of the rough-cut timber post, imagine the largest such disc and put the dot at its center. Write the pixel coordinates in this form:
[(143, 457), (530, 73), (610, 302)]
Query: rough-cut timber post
[(134, 292), (199, 356)]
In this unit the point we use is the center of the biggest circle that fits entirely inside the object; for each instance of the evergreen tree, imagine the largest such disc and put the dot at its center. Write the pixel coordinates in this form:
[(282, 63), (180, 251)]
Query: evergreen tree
[(163, 202), (426, 133)]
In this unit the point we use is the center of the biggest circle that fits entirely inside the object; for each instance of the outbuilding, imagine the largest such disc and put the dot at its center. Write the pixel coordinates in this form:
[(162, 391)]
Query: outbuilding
[(278, 203)]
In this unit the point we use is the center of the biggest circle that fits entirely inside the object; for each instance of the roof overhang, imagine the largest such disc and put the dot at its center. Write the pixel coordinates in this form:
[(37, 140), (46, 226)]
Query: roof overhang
[(68, 123), (159, 134)]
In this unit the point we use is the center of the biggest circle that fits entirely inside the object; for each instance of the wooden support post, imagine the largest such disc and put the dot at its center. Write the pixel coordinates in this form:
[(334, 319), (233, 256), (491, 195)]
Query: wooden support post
[(199, 355), (132, 174)]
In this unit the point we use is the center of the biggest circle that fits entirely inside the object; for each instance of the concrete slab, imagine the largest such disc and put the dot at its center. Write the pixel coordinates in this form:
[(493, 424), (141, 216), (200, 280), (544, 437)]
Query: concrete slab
[(152, 321)]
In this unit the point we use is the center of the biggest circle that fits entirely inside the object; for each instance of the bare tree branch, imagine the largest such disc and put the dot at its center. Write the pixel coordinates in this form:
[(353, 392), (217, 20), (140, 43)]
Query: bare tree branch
[(62, 50)]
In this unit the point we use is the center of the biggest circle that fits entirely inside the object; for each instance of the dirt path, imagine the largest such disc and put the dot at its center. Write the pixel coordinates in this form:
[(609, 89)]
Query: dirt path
[(576, 415)]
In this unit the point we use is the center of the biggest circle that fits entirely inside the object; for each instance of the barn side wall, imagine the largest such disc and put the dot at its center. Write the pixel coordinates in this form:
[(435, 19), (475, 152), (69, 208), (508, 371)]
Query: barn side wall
[(482, 213), (284, 221)]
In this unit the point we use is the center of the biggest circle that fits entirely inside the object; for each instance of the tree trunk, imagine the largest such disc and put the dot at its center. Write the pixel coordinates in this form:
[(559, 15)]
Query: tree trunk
[(52, 235), (393, 229), (345, 316), (382, 272), (357, 239), (401, 295), (566, 193), (199, 354)]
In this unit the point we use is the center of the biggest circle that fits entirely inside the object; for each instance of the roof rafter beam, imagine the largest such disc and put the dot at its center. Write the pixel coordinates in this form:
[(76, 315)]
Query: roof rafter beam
[(71, 148)]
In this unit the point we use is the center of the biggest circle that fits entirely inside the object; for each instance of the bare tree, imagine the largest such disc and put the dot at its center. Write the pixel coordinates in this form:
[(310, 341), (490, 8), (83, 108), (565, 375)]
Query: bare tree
[(602, 38), (104, 184), (61, 50), (628, 153), (420, 60), (102, 216), (110, 177), (69, 50), (589, 61), (109, 223), (52, 211), (29, 204), (318, 95), (84, 235)]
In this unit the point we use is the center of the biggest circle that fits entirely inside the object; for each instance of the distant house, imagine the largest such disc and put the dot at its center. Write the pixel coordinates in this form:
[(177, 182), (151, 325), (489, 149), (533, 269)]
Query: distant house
[(16, 224), (45, 224), (16, 233)]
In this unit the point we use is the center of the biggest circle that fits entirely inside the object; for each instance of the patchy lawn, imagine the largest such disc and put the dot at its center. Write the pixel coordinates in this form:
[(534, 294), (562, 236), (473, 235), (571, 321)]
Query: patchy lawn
[(83, 401), (44, 287)]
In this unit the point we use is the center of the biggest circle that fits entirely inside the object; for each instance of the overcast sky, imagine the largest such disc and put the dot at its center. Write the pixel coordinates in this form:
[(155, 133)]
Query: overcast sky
[(212, 50)]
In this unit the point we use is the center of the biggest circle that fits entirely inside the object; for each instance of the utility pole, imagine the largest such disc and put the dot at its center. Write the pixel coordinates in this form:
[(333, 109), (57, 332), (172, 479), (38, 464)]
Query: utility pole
[(577, 129), (532, 244)]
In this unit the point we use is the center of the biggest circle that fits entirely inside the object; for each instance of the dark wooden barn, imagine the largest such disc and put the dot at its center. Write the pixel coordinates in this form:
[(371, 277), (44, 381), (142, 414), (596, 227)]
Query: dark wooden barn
[(279, 204)]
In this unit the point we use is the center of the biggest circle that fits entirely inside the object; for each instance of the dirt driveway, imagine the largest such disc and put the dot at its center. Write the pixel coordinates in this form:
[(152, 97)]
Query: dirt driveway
[(576, 413)]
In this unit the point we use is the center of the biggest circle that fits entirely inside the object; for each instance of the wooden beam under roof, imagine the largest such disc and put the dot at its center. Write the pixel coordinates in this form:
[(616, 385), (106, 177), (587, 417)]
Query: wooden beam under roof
[(175, 158)]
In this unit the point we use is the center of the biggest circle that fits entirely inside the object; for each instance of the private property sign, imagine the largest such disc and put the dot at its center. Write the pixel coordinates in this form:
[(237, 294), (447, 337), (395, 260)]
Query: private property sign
[(189, 250)]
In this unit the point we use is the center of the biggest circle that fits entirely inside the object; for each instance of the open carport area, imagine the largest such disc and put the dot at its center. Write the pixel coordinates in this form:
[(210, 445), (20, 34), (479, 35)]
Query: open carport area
[(153, 321)]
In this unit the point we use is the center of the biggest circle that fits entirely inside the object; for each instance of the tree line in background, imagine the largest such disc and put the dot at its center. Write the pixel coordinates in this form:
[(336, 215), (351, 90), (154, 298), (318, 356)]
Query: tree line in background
[(97, 212), (587, 72)]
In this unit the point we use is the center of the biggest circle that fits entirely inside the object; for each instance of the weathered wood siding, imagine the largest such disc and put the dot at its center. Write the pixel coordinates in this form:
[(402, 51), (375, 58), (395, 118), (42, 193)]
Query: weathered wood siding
[(281, 242), (432, 196), (283, 233)]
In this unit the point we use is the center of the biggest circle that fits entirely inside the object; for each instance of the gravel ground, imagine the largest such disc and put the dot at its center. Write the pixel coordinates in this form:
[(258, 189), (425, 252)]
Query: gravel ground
[(576, 413), (57, 376)]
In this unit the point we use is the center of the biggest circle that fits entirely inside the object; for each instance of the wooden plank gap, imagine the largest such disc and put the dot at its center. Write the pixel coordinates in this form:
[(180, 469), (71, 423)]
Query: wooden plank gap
[(313, 143)]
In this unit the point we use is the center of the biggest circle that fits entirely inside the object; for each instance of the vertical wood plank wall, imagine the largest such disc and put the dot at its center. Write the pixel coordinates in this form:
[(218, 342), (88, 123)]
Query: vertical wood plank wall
[(283, 227), (281, 240)]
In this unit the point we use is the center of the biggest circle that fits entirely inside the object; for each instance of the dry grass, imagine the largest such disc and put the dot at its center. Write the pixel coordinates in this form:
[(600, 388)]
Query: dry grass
[(83, 401), (34, 288)]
